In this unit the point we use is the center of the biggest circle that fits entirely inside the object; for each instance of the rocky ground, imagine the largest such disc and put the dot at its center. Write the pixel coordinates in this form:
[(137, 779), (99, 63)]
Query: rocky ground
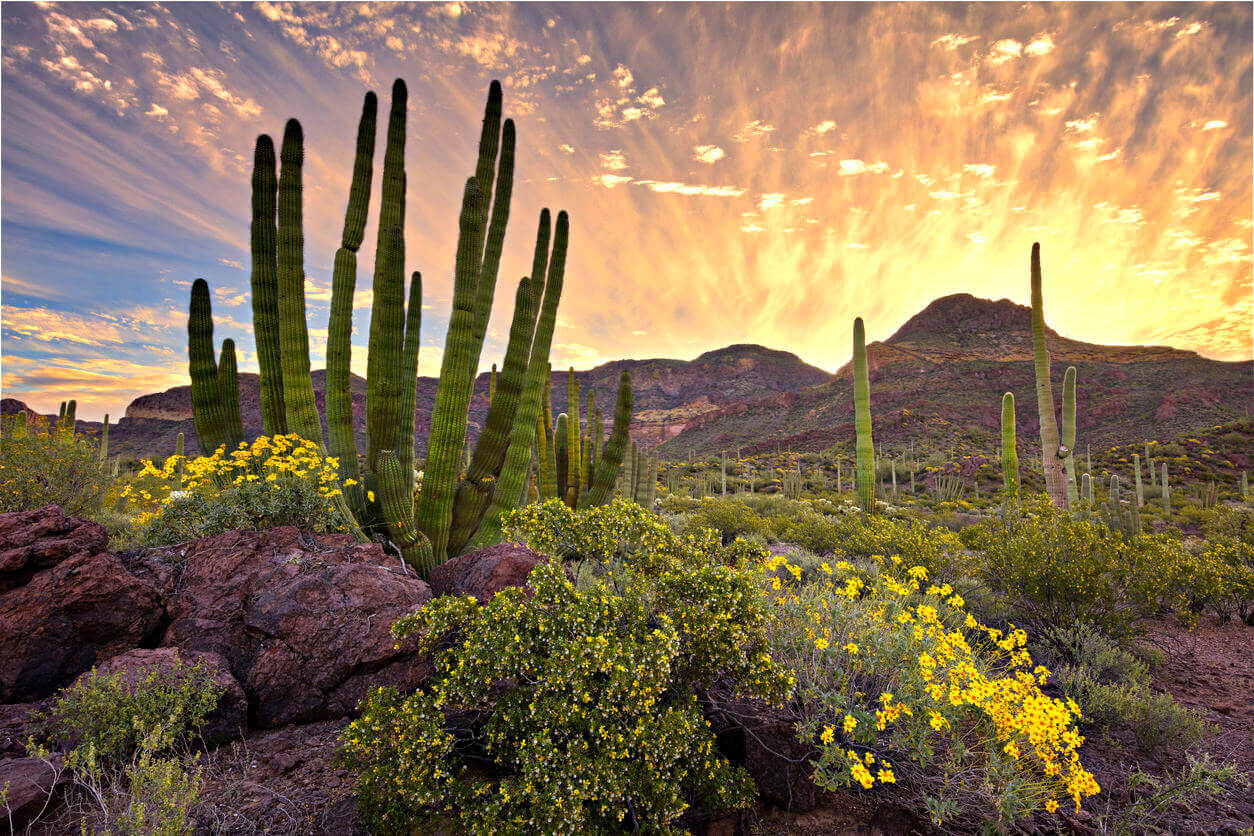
[(295, 629)]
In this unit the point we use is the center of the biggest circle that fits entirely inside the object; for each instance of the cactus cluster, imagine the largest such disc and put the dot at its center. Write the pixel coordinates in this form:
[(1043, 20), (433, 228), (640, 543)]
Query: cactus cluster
[(574, 461), (464, 492)]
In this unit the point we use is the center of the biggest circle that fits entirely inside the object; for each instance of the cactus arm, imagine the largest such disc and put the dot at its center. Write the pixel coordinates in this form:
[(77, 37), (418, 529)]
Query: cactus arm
[(1009, 449), (574, 465), (1068, 434), (386, 354), (457, 369), (265, 286), (561, 452), (298, 396), (228, 396), (475, 491), (341, 441), (509, 489), (409, 381), (1051, 463), (203, 370), (862, 421), (611, 460)]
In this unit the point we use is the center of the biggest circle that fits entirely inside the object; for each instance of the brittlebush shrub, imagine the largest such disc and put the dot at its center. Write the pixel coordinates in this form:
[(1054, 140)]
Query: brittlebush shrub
[(902, 690), (284, 480), (589, 696), (1056, 569), (731, 518), (44, 466)]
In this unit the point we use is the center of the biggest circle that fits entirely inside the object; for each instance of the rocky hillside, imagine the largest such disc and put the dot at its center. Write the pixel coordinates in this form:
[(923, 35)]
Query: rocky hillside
[(938, 381), (666, 394)]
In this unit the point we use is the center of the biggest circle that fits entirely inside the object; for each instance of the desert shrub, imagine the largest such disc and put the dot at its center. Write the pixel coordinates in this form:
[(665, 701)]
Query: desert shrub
[(816, 532), (121, 741), (899, 687), (731, 518), (272, 482), (1200, 781), (113, 717), (589, 697), (1112, 687), (915, 542), (44, 466)]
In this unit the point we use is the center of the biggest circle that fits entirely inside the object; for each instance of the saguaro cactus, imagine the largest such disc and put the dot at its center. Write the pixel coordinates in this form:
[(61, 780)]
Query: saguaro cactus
[(104, 438), (1009, 450), (1166, 492), (862, 421), (1051, 453), (1136, 472)]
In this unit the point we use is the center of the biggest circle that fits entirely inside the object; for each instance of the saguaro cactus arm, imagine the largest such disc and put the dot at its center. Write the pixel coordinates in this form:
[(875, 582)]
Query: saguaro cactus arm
[(1051, 461)]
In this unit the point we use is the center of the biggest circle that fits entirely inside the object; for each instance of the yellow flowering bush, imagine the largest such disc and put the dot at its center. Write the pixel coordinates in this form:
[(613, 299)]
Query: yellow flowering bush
[(899, 685), (587, 698), (44, 466), (283, 480)]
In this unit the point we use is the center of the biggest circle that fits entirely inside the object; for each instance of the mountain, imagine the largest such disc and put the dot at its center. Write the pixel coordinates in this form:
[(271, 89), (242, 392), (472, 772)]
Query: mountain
[(939, 381), (665, 393)]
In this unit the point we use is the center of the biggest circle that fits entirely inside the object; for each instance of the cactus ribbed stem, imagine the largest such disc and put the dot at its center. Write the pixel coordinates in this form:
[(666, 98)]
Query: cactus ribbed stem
[(1068, 435), (562, 457), (398, 510), (1009, 449), (452, 398), (228, 396), (203, 370), (508, 493), (1166, 490), (298, 395), (265, 286), (341, 439), (1051, 461), (385, 361), (574, 475), (178, 452), (409, 381), (602, 487), (1136, 475), (862, 420)]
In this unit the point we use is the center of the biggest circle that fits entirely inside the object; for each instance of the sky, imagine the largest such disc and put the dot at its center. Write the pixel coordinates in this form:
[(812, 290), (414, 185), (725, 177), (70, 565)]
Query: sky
[(733, 173)]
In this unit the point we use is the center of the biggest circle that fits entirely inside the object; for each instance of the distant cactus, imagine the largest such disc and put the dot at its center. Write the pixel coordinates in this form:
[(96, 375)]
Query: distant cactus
[(1068, 435), (1166, 491), (104, 439), (611, 459), (1136, 475), (1009, 450), (178, 452), (862, 421), (1051, 454)]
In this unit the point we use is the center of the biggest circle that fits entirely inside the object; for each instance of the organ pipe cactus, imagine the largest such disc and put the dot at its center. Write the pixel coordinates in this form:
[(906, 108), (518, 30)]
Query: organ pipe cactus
[(562, 457), (862, 421), (448, 513), (1009, 450), (1052, 453), (611, 459), (574, 465), (216, 422), (1068, 435)]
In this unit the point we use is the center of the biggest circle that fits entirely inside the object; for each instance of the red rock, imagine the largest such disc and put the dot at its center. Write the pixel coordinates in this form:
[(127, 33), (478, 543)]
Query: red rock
[(227, 721), (31, 541), (303, 621), (66, 619), (485, 572), (30, 784)]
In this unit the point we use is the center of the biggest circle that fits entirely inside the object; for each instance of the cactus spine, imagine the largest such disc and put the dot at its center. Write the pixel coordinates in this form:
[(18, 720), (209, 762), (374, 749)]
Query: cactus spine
[(1009, 450), (1068, 435), (862, 421)]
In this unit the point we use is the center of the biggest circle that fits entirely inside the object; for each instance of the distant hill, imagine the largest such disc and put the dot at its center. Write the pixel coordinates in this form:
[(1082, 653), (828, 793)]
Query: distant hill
[(940, 378), (665, 392)]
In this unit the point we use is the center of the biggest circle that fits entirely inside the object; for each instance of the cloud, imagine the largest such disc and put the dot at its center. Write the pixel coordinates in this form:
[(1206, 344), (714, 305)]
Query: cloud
[(708, 154), (1042, 44), (824, 127), (1214, 124), (753, 130), (1007, 49), (952, 41), (613, 160), (850, 168)]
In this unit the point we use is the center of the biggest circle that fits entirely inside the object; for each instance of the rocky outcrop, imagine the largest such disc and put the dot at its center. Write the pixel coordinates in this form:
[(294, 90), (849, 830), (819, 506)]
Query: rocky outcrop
[(69, 617), (31, 541), (485, 572), (31, 786)]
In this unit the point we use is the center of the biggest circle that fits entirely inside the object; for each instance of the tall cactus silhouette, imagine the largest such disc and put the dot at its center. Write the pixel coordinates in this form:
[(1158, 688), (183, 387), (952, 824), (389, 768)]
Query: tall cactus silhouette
[(862, 421), (103, 452), (265, 285), (1009, 449), (1051, 454)]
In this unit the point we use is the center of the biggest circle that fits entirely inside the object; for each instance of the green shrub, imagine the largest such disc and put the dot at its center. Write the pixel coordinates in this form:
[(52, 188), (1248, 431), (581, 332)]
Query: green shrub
[(813, 531), (731, 518), (113, 717), (44, 467), (1112, 687), (589, 698)]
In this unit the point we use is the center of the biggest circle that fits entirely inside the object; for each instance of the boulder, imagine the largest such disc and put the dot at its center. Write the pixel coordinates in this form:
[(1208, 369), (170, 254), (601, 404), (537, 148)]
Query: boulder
[(30, 783), (31, 541), (227, 721), (67, 618), (757, 737), (485, 572), (302, 620)]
